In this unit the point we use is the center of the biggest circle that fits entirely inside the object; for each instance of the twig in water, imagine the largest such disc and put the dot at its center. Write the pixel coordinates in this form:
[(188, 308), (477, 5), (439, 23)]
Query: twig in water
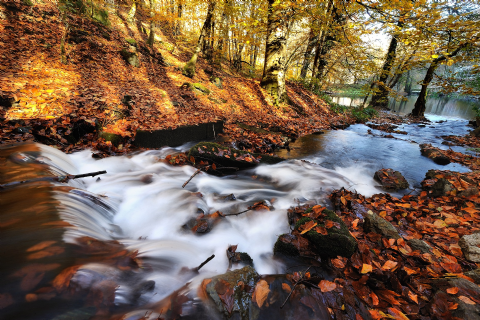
[(204, 262), (236, 214), (193, 175), (66, 178), (294, 286)]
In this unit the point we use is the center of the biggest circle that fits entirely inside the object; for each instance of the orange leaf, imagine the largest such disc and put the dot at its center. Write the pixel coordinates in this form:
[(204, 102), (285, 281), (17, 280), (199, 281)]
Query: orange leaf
[(307, 226), (321, 230), (202, 290), (470, 210), (261, 292), (374, 298), (389, 265), (248, 159), (62, 281), (330, 224), (466, 300), (40, 246), (453, 290), (413, 296), (409, 271), (338, 263), (286, 287), (327, 286), (366, 268), (214, 167), (343, 201), (355, 223)]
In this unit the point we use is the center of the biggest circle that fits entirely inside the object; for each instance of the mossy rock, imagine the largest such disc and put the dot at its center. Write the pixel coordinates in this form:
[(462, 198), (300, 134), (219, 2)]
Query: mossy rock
[(217, 82), (284, 246), (115, 139), (130, 57), (239, 281), (196, 87), (230, 157), (132, 42), (337, 242)]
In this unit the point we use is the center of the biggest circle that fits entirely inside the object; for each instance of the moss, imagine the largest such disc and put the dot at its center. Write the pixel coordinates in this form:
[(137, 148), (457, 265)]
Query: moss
[(115, 139), (189, 69), (201, 88), (338, 242), (246, 259), (225, 156), (132, 42)]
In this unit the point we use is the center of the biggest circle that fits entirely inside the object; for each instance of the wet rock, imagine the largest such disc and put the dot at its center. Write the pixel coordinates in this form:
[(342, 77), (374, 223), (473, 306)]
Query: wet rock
[(232, 292), (476, 132), (470, 245), (441, 299), (441, 183), (130, 55), (115, 139), (333, 239), (434, 154), (230, 157), (293, 245), (391, 179), (474, 275), (417, 244), (375, 223), (22, 130)]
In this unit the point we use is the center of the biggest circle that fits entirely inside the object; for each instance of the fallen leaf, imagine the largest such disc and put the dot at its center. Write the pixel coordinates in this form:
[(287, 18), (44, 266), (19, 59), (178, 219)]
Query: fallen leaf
[(202, 289), (327, 286), (261, 292), (467, 300), (413, 297), (453, 290), (304, 228), (330, 224), (40, 246), (366, 268), (397, 314), (389, 265), (286, 287), (338, 263), (321, 230)]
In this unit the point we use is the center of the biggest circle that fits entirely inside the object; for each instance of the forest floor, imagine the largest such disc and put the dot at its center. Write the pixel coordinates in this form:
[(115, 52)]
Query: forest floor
[(45, 100)]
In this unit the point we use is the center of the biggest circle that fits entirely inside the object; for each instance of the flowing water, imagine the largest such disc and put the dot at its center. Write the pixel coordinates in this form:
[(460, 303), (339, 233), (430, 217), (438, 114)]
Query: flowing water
[(140, 202), (441, 106)]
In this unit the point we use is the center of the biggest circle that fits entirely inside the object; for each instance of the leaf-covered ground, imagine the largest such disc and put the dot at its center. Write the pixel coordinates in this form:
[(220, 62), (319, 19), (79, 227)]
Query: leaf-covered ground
[(98, 89)]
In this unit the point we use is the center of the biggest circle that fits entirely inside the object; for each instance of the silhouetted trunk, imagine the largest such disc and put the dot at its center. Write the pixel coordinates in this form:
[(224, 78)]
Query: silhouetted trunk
[(151, 36), (420, 104), (178, 25), (273, 79), (189, 68), (380, 97), (312, 41), (408, 84)]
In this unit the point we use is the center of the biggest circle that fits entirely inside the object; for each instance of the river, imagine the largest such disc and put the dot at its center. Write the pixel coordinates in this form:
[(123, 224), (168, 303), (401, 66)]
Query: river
[(140, 202)]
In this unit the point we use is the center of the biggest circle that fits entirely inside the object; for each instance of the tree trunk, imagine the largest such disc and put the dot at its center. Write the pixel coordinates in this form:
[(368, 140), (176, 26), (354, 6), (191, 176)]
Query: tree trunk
[(273, 79), (380, 97), (312, 41), (420, 104), (151, 36), (408, 84), (178, 24), (189, 68), (131, 13)]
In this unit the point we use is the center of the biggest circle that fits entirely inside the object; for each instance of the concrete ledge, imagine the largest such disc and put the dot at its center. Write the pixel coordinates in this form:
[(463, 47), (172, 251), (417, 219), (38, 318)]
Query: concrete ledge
[(177, 137)]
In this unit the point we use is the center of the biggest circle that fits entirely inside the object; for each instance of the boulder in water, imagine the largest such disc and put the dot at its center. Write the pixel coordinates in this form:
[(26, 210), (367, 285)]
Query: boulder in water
[(391, 179), (470, 245)]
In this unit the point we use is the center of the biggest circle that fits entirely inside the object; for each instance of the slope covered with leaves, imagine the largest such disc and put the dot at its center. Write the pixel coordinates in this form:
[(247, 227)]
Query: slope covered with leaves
[(45, 97)]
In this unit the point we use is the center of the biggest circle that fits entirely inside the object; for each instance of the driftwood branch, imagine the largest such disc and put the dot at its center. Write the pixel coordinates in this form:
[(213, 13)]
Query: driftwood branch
[(193, 175), (236, 214), (56, 179), (296, 283)]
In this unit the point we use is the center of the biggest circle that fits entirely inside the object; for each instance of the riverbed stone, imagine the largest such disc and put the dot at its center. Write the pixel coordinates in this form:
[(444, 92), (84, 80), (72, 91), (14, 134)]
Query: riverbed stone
[(417, 244), (470, 245), (434, 154), (444, 183), (391, 179), (230, 292), (474, 275), (337, 241), (375, 223), (293, 245), (230, 157)]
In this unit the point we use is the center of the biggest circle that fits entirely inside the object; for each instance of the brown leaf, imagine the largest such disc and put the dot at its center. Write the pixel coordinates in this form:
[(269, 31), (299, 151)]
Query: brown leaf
[(304, 228), (62, 281), (327, 286), (329, 224), (413, 297), (202, 289), (397, 314), (261, 292), (467, 300), (338, 263), (374, 298), (321, 230), (389, 265), (286, 287), (453, 290)]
